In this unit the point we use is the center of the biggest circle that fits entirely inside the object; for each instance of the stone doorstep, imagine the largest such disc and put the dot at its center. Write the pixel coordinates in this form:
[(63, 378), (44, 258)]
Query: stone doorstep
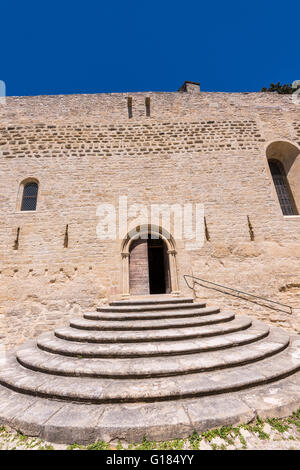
[(147, 307), (151, 300), (58, 422), (152, 315)]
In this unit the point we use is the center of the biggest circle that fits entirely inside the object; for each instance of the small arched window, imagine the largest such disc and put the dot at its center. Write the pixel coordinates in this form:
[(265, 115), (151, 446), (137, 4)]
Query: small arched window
[(282, 188), (29, 198)]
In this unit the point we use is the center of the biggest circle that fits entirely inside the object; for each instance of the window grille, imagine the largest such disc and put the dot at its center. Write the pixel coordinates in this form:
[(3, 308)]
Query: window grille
[(282, 188), (29, 200)]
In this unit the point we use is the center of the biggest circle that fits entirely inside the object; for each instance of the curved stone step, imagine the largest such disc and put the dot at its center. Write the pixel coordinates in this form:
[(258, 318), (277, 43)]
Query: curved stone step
[(155, 315), (81, 331), (84, 423), (52, 344), (152, 301), (153, 324), (33, 358), (16, 377), (148, 307), (150, 324), (88, 383)]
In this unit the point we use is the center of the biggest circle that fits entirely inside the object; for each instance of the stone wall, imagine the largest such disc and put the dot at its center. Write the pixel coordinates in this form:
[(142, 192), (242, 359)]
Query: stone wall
[(205, 148)]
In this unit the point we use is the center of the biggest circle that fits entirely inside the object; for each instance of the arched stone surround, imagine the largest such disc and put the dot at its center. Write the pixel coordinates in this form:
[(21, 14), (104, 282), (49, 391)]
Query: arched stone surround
[(142, 232)]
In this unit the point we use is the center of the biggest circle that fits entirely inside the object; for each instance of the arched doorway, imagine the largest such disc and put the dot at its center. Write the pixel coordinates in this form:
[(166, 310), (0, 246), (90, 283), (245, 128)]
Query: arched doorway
[(149, 262), (149, 271)]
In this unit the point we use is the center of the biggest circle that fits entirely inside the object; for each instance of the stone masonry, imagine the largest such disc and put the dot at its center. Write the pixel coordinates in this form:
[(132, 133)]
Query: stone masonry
[(194, 147)]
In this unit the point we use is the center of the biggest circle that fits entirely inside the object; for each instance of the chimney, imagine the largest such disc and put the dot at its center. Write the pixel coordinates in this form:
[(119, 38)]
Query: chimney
[(190, 87)]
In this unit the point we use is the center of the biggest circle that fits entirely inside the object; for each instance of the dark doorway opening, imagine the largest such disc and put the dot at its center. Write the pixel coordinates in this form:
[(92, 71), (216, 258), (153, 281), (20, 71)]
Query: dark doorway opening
[(157, 266), (149, 271)]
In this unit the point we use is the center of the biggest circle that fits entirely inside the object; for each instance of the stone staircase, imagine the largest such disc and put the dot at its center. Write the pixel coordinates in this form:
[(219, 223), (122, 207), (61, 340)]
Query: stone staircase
[(160, 367)]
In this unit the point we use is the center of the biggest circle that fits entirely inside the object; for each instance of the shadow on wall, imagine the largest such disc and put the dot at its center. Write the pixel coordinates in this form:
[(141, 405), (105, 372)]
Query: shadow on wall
[(284, 163)]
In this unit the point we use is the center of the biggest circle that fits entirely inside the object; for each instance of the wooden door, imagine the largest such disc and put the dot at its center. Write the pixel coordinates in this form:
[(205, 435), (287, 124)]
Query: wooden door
[(138, 268)]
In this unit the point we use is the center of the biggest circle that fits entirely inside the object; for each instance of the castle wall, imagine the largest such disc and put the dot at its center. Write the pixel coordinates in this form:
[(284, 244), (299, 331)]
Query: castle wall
[(205, 148)]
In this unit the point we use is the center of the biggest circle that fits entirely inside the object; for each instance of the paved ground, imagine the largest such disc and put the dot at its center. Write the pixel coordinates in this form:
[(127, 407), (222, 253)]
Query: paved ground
[(277, 434)]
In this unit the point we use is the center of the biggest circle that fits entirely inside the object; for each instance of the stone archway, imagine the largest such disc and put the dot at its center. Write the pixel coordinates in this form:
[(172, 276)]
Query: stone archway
[(137, 238), (285, 156)]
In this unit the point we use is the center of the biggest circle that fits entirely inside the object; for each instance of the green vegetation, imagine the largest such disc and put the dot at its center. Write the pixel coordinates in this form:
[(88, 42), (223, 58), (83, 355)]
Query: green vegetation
[(225, 436), (194, 440), (99, 445), (282, 89), (278, 424)]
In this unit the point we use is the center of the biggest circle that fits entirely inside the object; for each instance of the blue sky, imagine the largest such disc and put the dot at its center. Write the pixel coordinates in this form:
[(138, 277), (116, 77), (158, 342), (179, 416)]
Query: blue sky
[(113, 46)]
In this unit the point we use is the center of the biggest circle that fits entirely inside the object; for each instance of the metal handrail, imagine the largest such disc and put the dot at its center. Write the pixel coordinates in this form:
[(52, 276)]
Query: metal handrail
[(196, 279)]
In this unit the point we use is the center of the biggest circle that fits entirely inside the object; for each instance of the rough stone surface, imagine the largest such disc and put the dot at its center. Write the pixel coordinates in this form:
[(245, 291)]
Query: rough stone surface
[(208, 148), (68, 391)]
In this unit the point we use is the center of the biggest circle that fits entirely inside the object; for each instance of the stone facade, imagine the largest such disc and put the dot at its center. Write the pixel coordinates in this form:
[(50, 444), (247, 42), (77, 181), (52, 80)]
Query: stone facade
[(179, 147)]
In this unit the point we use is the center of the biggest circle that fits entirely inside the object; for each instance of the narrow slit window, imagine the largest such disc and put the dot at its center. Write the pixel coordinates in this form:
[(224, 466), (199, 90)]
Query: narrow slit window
[(129, 106), (147, 104), (282, 188), (29, 199)]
